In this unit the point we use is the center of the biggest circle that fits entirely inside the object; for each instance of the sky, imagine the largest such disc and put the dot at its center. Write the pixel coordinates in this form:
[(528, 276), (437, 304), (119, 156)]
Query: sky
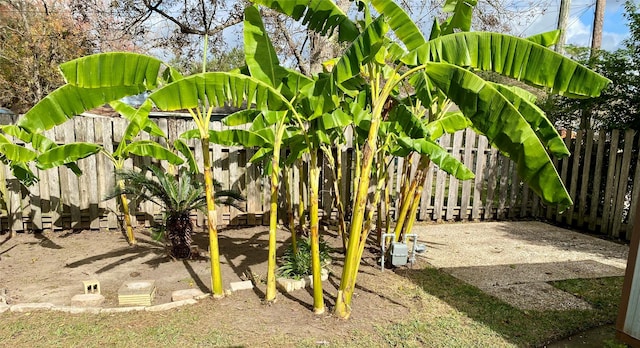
[(581, 21)]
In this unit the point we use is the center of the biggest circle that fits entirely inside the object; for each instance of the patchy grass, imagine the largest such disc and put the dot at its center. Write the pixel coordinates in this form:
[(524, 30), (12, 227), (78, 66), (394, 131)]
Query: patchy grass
[(481, 314), (448, 313)]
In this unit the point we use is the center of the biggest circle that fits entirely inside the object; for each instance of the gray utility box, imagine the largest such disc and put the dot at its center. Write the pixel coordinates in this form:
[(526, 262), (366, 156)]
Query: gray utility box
[(399, 254)]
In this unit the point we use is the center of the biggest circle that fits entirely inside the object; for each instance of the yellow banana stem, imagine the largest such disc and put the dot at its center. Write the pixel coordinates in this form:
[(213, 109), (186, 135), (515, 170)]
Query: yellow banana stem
[(289, 206), (212, 221), (131, 238), (303, 178), (406, 204), (270, 295), (314, 234), (421, 176)]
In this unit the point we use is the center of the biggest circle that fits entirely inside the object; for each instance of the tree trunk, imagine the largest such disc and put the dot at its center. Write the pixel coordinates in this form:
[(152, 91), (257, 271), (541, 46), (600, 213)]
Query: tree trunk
[(179, 228)]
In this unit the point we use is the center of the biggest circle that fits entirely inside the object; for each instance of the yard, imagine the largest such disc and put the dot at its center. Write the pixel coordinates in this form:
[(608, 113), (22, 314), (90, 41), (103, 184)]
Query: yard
[(478, 284)]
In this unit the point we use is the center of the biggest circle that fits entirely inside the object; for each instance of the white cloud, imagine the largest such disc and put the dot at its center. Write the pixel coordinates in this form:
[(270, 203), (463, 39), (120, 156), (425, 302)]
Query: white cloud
[(578, 31)]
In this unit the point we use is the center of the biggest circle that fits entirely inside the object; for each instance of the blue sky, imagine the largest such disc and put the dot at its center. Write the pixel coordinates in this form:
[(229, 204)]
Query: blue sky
[(581, 21)]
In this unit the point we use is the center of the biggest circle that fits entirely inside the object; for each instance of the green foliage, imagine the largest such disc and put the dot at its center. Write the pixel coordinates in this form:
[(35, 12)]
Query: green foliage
[(298, 265), (175, 194), (32, 44), (619, 105), (218, 61)]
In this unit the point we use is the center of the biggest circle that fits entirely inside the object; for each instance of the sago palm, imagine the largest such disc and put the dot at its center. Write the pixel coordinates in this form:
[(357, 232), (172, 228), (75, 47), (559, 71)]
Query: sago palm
[(178, 196)]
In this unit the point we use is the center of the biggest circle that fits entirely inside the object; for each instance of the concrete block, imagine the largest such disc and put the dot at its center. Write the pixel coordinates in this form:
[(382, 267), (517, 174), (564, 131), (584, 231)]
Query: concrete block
[(122, 309), (76, 310), (91, 286), (186, 294), (245, 285), (30, 307), (202, 297), (170, 305), (324, 275), (87, 300), (289, 285)]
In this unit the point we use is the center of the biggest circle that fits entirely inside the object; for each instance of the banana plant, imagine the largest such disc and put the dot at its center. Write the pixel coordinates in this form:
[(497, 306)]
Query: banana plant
[(200, 94), (446, 62), (310, 98), (138, 121), (98, 79), (43, 152)]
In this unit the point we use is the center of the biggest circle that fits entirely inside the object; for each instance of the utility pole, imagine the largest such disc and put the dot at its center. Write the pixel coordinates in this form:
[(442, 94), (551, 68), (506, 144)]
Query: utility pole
[(563, 18), (596, 44), (598, 22)]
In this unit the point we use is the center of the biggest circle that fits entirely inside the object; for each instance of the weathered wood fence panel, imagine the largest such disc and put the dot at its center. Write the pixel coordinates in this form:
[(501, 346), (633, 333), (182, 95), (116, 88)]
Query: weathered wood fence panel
[(600, 175)]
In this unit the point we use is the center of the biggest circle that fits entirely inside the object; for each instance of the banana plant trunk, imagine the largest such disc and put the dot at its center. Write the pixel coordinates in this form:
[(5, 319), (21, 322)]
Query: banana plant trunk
[(301, 188), (212, 222), (336, 165), (270, 295), (356, 235), (421, 176), (131, 238), (314, 234), (408, 188), (289, 204)]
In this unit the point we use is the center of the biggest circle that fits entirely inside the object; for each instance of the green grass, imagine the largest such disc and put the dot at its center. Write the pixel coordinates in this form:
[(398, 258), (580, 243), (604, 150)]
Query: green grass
[(450, 313), (478, 312)]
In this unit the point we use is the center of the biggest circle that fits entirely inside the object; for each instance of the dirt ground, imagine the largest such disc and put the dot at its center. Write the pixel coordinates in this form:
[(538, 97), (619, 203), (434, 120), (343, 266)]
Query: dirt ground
[(511, 260)]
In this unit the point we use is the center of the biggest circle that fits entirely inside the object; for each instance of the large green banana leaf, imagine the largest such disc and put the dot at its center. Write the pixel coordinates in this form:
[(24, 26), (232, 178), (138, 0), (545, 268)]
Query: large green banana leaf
[(335, 119), (237, 137), (438, 155), (16, 132), (461, 18), (514, 57), (68, 153), (538, 121), (218, 89), (68, 101), (185, 150), (319, 97), (93, 81), (240, 117), (24, 174), (321, 16), (17, 153), (148, 148), (361, 51), (401, 24), (138, 120), (547, 39), (260, 56), (449, 123), (504, 126), (112, 69), (402, 121)]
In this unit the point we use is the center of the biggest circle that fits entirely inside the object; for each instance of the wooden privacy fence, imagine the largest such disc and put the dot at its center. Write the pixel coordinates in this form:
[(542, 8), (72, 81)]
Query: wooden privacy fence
[(600, 176)]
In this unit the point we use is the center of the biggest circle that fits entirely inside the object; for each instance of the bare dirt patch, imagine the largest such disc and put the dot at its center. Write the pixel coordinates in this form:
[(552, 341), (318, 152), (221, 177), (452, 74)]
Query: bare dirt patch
[(510, 260)]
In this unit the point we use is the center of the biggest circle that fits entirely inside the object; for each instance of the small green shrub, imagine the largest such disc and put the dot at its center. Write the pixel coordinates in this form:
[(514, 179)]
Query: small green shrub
[(298, 265)]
